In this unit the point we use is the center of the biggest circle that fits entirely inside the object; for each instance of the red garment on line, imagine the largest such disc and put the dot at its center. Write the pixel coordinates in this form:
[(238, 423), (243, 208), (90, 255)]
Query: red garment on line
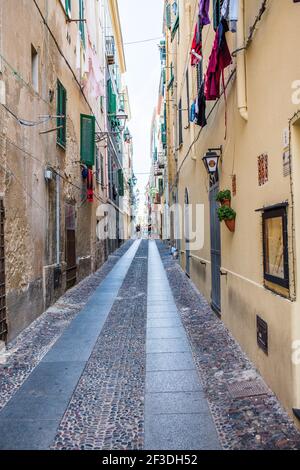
[(219, 59), (90, 186), (196, 46)]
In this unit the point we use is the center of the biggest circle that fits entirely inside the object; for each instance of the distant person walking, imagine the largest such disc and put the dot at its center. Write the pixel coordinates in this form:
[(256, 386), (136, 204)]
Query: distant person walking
[(149, 230), (138, 230)]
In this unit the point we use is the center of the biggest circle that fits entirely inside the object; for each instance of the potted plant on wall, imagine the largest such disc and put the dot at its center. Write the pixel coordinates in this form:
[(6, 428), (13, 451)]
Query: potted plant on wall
[(227, 214), (224, 197)]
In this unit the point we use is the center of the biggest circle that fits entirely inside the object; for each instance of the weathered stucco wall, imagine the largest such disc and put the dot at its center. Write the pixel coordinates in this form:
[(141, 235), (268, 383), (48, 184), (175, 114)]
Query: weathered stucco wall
[(30, 201)]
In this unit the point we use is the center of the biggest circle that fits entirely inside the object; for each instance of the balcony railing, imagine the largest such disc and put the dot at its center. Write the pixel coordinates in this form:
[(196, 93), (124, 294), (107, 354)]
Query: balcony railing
[(110, 50), (161, 160)]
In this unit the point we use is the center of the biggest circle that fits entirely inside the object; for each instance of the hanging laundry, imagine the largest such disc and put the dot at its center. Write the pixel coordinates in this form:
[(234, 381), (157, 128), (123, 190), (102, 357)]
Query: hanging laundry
[(193, 112), (196, 49), (204, 12), (230, 13), (90, 186), (220, 58), (201, 115)]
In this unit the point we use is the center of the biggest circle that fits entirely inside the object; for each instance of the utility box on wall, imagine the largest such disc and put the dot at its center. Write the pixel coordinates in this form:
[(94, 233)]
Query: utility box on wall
[(262, 334)]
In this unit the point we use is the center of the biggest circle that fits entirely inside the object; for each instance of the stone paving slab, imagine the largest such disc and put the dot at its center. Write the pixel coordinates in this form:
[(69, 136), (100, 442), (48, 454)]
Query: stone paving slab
[(184, 431), (165, 333), (159, 322), (169, 361), (176, 403), (167, 345), (172, 381)]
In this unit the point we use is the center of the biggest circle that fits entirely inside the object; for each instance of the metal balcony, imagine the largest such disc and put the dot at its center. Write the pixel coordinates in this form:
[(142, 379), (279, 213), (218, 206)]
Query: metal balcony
[(110, 50)]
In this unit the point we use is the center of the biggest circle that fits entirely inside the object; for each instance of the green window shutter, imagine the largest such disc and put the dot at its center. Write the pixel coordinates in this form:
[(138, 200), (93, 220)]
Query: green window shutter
[(68, 6), (175, 28), (168, 16), (61, 111), (163, 135), (112, 100), (87, 139), (81, 23), (121, 182)]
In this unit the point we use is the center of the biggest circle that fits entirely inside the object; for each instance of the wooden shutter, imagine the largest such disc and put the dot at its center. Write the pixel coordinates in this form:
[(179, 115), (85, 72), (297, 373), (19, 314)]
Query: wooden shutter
[(87, 139), (61, 111), (112, 100), (68, 7), (180, 136), (3, 322), (121, 182), (81, 23)]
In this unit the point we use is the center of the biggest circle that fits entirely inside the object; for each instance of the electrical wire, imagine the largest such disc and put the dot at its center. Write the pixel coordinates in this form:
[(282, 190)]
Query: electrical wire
[(26, 122), (9, 172), (143, 41)]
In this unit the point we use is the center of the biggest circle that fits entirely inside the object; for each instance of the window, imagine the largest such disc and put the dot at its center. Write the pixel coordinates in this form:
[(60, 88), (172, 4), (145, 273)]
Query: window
[(120, 183), (99, 168), (81, 22), (217, 13), (180, 136), (87, 139), (275, 244), (61, 113), (168, 15), (188, 96), (34, 69), (172, 77)]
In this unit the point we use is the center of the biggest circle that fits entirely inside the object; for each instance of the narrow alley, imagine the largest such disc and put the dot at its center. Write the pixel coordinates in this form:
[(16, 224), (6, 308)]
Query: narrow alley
[(134, 358)]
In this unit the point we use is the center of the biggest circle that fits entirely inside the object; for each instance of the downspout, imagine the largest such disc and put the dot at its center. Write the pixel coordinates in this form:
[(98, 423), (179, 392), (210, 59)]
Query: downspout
[(241, 63), (57, 219)]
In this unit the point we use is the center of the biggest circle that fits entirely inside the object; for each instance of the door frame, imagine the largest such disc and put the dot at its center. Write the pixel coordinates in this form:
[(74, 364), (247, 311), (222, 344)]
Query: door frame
[(187, 233), (215, 247)]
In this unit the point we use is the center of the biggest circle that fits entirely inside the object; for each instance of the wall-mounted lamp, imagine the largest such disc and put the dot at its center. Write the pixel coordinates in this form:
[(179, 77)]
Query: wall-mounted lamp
[(211, 160)]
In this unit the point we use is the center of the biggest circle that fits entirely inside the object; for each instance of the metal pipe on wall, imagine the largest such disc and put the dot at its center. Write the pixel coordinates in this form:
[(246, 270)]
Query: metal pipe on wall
[(57, 219), (241, 64)]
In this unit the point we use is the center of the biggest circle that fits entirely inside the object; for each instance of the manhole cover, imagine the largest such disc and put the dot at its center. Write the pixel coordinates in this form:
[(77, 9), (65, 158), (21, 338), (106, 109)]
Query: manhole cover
[(249, 388)]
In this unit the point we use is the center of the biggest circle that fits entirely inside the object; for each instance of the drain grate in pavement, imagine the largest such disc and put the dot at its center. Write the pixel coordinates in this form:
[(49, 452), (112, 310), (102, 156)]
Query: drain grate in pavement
[(248, 388)]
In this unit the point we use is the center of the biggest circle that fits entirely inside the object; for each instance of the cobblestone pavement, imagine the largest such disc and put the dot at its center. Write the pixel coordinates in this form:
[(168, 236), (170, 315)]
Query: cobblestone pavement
[(26, 351), (254, 423), (107, 408)]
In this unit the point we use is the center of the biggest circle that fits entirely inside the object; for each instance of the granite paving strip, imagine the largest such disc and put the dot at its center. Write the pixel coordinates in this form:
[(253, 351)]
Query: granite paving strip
[(177, 416), (33, 414), (107, 408), (26, 351), (255, 423)]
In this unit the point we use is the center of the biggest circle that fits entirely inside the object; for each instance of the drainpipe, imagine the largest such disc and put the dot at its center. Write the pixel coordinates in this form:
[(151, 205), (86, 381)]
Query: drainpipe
[(241, 63), (57, 220)]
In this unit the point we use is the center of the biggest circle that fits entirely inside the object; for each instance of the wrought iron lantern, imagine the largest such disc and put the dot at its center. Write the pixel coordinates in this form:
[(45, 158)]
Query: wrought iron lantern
[(211, 160)]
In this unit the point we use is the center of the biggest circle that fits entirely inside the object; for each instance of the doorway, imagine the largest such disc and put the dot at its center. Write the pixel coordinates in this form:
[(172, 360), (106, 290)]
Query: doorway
[(187, 232), (70, 220), (3, 321), (215, 240)]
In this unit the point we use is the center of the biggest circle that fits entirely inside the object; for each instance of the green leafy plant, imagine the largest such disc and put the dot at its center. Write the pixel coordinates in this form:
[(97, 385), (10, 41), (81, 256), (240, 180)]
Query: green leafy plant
[(224, 196), (226, 213)]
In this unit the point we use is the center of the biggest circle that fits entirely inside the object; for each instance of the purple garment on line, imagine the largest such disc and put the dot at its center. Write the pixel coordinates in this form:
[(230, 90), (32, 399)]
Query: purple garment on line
[(204, 12)]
